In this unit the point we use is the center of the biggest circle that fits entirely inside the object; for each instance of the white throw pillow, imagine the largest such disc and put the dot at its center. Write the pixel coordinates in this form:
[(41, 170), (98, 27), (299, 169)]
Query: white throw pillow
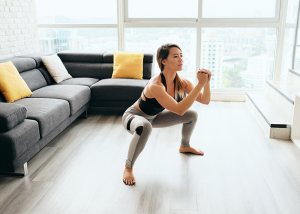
[(56, 68)]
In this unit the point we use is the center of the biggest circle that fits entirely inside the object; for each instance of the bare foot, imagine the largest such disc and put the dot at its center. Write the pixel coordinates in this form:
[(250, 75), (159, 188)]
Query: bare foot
[(128, 177), (191, 149)]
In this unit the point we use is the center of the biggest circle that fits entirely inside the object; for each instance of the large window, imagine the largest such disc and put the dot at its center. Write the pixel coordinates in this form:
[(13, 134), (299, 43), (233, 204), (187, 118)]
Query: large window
[(238, 40), (238, 9), (75, 12), (77, 25), (163, 9), (149, 39), (60, 39), (239, 57)]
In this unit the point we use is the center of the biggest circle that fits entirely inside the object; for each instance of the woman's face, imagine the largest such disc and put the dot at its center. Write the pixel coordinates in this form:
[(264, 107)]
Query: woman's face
[(174, 60)]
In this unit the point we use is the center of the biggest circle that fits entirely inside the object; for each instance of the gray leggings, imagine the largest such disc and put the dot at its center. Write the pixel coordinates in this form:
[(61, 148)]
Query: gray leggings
[(140, 126)]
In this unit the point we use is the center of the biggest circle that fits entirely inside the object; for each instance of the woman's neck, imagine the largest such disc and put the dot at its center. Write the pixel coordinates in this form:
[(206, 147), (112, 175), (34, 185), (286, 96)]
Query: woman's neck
[(169, 76)]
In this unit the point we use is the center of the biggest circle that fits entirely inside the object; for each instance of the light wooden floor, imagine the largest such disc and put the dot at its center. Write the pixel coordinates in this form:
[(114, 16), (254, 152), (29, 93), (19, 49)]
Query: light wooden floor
[(81, 170)]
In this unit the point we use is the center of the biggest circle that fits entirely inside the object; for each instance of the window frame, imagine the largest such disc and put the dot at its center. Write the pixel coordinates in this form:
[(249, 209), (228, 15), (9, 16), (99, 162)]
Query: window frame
[(296, 25)]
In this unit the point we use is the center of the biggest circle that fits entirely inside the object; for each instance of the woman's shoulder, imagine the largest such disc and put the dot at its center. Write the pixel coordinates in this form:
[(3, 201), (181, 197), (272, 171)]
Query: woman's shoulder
[(155, 80)]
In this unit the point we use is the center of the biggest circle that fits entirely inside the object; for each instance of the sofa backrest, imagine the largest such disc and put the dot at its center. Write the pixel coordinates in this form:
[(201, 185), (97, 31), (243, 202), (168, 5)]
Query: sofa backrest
[(84, 63), (27, 69), (40, 65), (97, 64)]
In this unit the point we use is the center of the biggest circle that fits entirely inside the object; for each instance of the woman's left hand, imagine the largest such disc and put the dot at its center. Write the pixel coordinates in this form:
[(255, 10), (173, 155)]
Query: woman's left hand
[(207, 72)]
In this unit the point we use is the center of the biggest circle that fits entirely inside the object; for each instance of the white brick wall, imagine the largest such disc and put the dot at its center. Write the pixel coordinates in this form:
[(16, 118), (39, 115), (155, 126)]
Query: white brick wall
[(18, 28)]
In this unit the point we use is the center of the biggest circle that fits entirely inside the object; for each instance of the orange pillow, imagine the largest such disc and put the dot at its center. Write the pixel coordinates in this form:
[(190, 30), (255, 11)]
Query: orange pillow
[(128, 65), (12, 85)]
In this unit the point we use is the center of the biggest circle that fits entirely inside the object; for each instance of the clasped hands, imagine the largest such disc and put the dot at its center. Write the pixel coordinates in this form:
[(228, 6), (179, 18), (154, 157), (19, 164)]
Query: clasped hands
[(208, 72)]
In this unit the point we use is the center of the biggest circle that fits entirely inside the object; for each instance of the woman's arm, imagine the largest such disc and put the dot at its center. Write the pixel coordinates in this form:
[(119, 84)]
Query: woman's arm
[(206, 94), (166, 101), (204, 97)]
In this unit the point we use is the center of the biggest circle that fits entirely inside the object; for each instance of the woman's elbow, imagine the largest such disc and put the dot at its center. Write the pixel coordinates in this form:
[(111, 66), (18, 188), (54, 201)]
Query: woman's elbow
[(180, 112), (176, 110), (206, 103)]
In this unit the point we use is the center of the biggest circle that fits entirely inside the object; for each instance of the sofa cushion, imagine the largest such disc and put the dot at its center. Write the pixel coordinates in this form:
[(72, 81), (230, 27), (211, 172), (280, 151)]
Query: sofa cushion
[(16, 141), (34, 79), (2, 98), (22, 64), (46, 75), (91, 70), (108, 59), (12, 85), (118, 89), (56, 68), (79, 81), (76, 95), (39, 64), (49, 113), (128, 65), (11, 114)]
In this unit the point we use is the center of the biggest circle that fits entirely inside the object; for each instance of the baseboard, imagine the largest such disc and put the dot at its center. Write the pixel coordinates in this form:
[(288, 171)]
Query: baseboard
[(226, 97), (296, 141)]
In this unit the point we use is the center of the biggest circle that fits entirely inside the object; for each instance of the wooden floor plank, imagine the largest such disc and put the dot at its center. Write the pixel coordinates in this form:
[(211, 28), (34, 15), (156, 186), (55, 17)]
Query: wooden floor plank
[(11, 187), (27, 198)]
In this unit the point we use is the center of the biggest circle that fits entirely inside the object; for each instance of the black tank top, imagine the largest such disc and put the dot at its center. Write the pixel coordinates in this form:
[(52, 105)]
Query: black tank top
[(150, 106)]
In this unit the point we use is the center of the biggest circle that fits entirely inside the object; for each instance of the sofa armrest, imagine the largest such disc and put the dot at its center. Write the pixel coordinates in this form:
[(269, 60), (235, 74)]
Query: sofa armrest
[(11, 114)]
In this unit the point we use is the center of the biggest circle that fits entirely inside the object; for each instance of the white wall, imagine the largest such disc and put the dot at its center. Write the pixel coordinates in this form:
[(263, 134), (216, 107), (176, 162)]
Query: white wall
[(18, 28)]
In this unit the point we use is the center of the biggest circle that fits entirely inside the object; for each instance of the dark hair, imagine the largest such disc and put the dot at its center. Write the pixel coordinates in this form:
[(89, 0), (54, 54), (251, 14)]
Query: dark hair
[(163, 53)]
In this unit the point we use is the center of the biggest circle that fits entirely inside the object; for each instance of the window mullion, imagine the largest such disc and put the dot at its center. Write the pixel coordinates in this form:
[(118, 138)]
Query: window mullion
[(295, 40), (200, 3), (120, 25), (280, 41), (198, 53)]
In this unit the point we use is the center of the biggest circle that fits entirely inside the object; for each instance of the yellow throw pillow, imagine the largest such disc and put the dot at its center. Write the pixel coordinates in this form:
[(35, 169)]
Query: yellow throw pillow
[(128, 65), (12, 85)]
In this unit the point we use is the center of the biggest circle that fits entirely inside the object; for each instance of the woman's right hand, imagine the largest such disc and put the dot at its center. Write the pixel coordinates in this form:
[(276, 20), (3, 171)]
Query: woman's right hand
[(202, 78)]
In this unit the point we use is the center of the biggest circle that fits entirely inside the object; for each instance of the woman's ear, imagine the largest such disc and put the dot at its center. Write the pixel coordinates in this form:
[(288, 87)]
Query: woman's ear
[(163, 61)]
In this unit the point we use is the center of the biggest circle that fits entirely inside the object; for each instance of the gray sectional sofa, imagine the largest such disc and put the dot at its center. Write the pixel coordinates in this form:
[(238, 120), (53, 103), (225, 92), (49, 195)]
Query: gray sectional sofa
[(29, 124)]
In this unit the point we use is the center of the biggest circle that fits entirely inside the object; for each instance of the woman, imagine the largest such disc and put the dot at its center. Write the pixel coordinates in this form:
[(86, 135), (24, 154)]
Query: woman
[(164, 91)]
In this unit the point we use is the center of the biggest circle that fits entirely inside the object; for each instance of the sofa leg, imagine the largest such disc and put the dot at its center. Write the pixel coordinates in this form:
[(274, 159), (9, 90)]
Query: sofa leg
[(84, 115), (25, 171)]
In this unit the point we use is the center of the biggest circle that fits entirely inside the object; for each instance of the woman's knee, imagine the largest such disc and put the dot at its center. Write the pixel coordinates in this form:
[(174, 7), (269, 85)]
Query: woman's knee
[(145, 128), (141, 125), (192, 114)]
